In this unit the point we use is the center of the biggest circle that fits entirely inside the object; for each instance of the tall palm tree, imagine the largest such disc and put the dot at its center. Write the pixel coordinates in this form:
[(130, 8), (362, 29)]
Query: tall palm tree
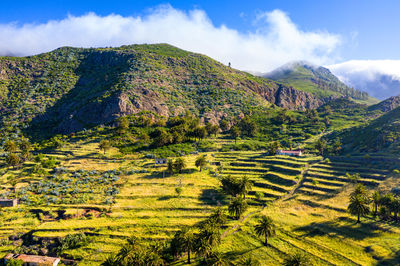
[(358, 206), (245, 186), (201, 162), (218, 217), (237, 207), (376, 199), (207, 239), (265, 228), (186, 240)]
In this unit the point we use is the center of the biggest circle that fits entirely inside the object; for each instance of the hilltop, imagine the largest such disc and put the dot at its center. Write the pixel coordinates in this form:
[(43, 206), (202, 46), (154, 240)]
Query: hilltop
[(316, 80), (71, 89)]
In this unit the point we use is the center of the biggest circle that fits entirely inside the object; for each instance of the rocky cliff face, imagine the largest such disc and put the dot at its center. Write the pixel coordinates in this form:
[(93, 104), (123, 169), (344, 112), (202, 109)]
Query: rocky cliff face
[(290, 98), (70, 89)]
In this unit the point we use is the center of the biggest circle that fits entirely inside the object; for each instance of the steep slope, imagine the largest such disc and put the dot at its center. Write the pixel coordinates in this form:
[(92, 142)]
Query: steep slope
[(314, 79), (387, 105), (71, 89), (379, 135)]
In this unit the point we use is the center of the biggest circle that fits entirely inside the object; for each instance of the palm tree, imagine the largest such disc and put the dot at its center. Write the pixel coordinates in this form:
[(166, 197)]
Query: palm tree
[(201, 162), (235, 132), (396, 207), (237, 207), (207, 239), (297, 259), (358, 206), (359, 190), (186, 241), (265, 228), (179, 165), (376, 199), (218, 217), (104, 145), (245, 186)]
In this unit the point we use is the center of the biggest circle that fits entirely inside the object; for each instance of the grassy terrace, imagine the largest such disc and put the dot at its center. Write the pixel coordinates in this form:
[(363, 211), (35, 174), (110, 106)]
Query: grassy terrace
[(314, 221), (310, 218), (274, 176)]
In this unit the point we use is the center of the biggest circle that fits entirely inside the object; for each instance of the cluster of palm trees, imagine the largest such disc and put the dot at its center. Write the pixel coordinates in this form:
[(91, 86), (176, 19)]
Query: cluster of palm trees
[(386, 206), (237, 189), (202, 240)]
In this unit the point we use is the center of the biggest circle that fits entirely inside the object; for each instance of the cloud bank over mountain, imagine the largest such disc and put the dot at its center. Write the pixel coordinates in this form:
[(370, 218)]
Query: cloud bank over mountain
[(380, 78), (274, 40)]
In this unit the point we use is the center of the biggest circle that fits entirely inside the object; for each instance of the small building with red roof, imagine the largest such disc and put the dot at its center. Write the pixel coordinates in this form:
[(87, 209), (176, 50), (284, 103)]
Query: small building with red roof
[(32, 260)]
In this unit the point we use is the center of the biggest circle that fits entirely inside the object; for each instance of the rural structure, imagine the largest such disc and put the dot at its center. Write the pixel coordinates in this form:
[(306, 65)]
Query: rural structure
[(8, 202), (290, 153), (32, 260)]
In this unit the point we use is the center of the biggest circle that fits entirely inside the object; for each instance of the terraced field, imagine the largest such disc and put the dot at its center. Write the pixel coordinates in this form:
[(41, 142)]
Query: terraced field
[(274, 176), (311, 217), (313, 220), (329, 177)]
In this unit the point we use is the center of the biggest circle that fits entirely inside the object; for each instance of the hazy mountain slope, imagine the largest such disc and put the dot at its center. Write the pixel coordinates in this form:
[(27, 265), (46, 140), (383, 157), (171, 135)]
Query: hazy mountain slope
[(72, 88), (314, 79)]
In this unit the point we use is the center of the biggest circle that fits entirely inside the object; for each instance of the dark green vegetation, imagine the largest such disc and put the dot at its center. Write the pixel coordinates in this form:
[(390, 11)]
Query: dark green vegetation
[(376, 136)]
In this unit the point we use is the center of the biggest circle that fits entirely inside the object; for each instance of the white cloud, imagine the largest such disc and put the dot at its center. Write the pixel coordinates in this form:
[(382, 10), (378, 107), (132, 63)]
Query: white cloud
[(380, 78), (274, 41)]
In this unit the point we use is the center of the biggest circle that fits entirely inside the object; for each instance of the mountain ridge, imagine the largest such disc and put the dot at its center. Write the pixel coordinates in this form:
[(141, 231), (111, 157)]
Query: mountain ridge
[(315, 79), (71, 89)]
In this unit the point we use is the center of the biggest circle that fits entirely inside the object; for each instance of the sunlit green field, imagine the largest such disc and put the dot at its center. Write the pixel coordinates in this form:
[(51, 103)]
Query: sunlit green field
[(311, 218)]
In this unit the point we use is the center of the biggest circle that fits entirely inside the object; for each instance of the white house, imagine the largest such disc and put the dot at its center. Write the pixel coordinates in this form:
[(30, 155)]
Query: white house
[(289, 153)]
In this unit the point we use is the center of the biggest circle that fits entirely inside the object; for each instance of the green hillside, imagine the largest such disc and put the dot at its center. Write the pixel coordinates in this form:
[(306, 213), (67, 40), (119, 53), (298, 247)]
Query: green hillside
[(378, 135), (71, 89), (317, 80)]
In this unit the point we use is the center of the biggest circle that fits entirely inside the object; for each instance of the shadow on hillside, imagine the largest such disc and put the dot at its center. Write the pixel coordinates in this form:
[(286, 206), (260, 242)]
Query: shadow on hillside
[(232, 255), (331, 228), (319, 205), (84, 106), (395, 260), (213, 197)]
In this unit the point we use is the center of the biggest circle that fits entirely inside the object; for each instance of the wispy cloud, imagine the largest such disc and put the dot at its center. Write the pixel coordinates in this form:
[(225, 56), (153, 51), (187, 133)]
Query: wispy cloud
[(380, 78), (274, 41)]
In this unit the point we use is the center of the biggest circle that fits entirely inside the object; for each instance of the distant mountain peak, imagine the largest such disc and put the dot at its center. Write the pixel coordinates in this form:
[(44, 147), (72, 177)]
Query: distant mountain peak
[(315, 79)]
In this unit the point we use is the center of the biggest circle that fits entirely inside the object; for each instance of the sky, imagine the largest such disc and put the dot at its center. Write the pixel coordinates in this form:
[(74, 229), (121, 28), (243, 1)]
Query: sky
[(255, 36)]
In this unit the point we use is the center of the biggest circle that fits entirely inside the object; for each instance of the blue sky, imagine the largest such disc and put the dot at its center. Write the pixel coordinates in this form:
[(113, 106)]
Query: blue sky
[(368, 29)]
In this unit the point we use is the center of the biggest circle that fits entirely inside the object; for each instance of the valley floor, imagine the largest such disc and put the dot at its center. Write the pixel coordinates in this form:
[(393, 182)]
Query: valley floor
[(306, 197)]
